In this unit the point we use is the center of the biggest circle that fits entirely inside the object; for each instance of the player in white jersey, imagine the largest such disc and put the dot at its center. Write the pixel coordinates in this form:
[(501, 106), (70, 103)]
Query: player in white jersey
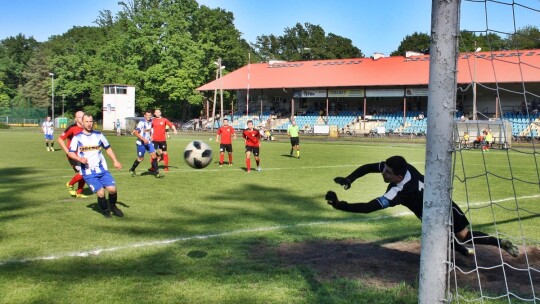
[(143, 131), (86, 148), (48, 130)]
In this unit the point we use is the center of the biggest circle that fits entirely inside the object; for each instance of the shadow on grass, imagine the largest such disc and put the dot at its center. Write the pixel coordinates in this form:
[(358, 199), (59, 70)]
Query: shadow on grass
[(15, 181), (246, 206), (228, 270), (94, 206), (288, 156)]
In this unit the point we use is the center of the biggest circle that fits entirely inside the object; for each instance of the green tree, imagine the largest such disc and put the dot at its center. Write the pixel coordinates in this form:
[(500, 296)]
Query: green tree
[(73, 58), (339, 47), (268, 47), (470, 41), (417, 42), (165, 48), (4, 98), (214, 32), (37, 86), (305, 42), (525, 38), (164, 62), (15, 52)]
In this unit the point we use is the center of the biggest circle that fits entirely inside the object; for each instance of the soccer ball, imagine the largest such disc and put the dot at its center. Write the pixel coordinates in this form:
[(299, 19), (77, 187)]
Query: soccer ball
[(198, 154)]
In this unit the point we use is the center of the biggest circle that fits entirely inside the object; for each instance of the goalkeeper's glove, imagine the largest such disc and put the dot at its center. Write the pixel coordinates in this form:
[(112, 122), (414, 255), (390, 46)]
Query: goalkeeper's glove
[(332, 199), (343, 181)]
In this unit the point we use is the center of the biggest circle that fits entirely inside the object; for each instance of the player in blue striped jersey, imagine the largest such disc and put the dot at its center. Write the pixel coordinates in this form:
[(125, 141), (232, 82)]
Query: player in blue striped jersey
[(144, 131), (86, 148), (48, 130)]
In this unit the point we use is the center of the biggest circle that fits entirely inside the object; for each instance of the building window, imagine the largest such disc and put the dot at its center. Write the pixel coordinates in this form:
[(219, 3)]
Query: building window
[(121, 90), (115, 90)]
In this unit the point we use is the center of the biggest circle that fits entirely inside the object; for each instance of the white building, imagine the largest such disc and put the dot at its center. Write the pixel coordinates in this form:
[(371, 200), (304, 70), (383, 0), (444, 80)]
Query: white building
[(118, 103)]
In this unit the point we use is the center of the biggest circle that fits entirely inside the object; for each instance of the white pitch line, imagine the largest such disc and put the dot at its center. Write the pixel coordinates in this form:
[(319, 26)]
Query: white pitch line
[(96, 252)]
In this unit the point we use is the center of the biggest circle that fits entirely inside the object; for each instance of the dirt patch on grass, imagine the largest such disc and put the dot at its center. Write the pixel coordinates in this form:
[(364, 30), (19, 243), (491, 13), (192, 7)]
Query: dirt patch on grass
[(386, 265)]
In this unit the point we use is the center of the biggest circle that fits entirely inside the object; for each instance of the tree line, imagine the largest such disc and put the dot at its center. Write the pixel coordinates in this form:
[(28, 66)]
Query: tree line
[(168, 48)]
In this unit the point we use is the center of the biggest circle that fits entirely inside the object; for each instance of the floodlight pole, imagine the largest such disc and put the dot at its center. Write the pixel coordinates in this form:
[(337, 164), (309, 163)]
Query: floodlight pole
[(437, 183), (52, 96), (220, 69), (476, 50), (214, 102)]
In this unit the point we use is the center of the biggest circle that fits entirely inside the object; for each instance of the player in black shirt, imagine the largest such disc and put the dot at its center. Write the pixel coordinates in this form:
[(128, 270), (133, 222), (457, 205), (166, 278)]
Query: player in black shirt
[(406, 187)]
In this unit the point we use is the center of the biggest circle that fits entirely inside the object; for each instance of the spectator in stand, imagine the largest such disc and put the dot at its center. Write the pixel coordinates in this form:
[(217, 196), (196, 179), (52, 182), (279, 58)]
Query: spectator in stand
[(488, 140), (534, 106), (478, 141), (465, 140)]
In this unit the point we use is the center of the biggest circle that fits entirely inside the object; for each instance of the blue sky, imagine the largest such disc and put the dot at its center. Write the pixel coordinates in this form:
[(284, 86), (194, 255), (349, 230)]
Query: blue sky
[(373, 26)]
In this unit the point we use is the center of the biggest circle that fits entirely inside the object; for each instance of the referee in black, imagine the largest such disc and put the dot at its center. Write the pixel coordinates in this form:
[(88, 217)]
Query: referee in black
[(406, 187)]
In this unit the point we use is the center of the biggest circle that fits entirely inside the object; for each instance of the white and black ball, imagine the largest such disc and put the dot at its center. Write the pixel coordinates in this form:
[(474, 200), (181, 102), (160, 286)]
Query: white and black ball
[(198, 154)]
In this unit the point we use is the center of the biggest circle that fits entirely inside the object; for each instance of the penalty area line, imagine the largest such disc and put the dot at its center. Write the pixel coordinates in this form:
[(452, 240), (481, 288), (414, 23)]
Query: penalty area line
[(95, 252)]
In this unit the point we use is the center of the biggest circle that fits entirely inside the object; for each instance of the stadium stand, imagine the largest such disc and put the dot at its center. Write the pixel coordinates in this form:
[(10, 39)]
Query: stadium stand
[(414, 123)]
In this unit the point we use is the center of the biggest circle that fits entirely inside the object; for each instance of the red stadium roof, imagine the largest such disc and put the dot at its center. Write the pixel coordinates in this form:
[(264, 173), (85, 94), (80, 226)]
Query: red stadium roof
[(491, 67)]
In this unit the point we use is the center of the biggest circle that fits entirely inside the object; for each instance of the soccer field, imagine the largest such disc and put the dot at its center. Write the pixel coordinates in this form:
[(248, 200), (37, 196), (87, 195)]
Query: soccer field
[(216, 235)]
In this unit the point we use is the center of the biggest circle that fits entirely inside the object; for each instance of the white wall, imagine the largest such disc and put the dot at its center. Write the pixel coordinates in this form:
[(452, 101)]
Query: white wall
[(117, 105)]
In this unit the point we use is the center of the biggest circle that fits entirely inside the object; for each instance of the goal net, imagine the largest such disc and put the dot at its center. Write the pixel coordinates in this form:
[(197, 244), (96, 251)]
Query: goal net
[(496, 179)]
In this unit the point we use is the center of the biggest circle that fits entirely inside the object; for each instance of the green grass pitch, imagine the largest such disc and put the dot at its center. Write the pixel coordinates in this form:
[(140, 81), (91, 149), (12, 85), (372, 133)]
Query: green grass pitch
[(211, 235)]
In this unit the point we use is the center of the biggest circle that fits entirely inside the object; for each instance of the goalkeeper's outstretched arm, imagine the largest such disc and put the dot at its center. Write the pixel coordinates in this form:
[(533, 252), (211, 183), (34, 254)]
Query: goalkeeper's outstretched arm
[(361, 171), (365, 169), (373, 205)]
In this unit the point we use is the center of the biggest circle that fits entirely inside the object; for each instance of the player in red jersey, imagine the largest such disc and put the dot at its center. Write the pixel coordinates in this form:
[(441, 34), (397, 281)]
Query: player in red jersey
[(68, 134), (159, 137), (226, 132), (252, 138)]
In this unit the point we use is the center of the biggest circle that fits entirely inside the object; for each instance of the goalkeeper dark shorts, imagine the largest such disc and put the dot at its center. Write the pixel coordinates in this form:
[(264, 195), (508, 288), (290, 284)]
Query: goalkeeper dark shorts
[(459, 219)]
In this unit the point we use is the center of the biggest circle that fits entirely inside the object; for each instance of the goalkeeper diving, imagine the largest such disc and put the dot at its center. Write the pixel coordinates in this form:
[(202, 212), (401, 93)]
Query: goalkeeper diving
[(406, 187)]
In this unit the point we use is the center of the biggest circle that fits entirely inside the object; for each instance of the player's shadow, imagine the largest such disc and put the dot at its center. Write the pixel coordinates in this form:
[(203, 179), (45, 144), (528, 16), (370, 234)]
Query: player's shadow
[(287, 155), (87, 191), (95, 207), (163, 167), (150, 173)]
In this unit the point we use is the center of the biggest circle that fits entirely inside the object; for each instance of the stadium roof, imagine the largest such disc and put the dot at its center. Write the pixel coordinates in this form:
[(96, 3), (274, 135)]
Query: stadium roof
[(491, 67)]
